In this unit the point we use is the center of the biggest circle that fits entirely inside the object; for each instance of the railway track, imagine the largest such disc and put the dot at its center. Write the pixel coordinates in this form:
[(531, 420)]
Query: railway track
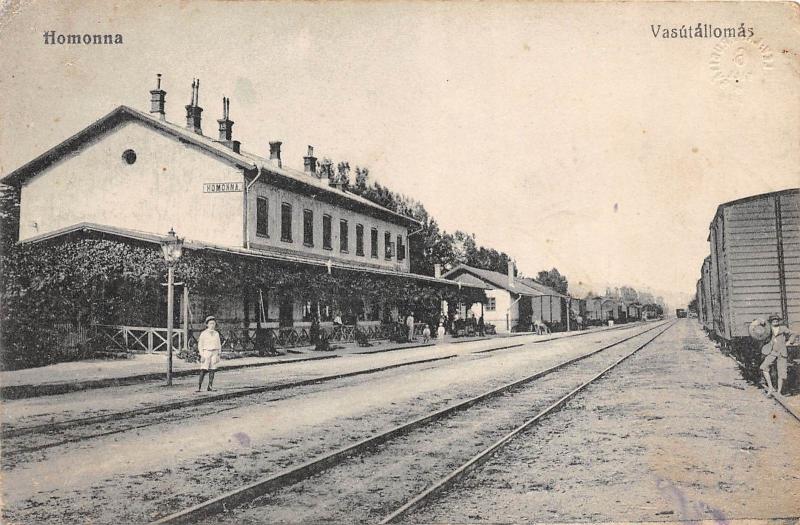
[(84, 428), (12, 450), (492, 416), (792, 412)]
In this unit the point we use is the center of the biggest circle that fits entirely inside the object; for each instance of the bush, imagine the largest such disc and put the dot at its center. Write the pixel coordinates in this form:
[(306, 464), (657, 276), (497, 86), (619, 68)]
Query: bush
[(190, 355), (78, 283), (25, 347)]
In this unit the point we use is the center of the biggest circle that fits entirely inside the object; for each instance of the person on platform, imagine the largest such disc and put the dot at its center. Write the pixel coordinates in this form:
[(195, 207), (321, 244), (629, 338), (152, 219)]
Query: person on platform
[(440, 333), (210, 346), (426, 334), (481, 326), (410, 326), (775, 351), (337, 326)]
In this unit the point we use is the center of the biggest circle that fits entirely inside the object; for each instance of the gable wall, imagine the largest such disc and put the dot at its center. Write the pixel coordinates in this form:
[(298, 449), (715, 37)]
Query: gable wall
[(161, 190)]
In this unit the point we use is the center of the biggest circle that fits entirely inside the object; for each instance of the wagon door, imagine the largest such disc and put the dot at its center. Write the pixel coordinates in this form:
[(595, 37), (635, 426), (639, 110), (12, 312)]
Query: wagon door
[(752, 245)]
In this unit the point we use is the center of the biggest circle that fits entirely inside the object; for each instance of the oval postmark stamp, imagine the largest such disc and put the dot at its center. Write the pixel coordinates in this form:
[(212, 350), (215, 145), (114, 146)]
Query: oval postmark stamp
[(736, 62)]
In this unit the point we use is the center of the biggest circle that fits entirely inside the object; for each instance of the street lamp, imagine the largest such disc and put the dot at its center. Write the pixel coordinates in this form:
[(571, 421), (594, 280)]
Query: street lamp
[(172, 248)]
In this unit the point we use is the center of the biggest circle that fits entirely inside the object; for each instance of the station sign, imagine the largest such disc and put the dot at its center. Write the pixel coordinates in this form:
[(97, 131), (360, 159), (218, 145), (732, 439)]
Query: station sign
[(222, 187)]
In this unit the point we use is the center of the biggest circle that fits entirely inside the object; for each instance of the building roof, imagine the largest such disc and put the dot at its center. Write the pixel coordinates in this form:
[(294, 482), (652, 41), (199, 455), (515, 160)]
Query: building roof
[(521, 286), (252, 164), (110, 231), (320, 189), (108, 122)]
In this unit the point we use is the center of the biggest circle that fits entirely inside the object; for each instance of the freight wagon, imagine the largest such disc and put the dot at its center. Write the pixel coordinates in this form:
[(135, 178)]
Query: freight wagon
[(699, 299), (593, 312), (704, 298), (754, 266), (578, 307)]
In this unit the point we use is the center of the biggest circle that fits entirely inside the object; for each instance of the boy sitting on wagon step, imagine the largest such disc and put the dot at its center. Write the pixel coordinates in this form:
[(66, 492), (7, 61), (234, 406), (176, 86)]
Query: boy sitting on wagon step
[(210, 347), (775, 350)]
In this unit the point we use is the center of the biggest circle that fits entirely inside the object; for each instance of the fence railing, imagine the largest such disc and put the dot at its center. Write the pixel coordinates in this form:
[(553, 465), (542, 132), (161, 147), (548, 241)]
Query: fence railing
[(237, 339), (71, 336), (137, 338)]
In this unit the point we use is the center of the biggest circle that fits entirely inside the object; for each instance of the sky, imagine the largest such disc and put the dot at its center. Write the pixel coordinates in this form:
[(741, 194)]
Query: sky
[(566, 135)]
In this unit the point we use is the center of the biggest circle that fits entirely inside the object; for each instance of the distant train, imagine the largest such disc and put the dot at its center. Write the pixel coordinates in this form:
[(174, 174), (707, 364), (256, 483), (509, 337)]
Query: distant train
[(753, 269), (680, 313)]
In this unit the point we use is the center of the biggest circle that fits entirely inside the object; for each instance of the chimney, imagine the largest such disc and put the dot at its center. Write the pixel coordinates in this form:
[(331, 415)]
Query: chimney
[(275, 153), (310, 162), (225, 123), (437, 270), (157, 99), (193, 111), (510, 273)]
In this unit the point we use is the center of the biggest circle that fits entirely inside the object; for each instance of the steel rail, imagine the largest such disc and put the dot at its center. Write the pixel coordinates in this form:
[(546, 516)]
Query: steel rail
[(575, 333), (483, 456), (7, 433), (293, 475), (779, 399), (166, 407)]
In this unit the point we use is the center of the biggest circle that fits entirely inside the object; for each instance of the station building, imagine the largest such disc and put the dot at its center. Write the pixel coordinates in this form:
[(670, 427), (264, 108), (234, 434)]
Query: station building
[(133, 176), (513, 303)]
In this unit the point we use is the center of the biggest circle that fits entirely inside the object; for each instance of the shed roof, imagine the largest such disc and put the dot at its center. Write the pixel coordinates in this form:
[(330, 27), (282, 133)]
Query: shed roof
[(527, 287), (86, 228)]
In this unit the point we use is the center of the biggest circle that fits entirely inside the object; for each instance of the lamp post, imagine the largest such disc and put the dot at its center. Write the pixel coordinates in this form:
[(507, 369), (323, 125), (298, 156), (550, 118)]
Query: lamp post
[(172, 248)]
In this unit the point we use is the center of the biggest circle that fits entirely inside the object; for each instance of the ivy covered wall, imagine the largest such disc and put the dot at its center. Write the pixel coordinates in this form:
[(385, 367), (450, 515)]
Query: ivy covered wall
[(85, 281)]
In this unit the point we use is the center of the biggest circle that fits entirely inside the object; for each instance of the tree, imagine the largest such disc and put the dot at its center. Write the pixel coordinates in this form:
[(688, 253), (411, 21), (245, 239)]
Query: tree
[(464, 247), (629, 294), (343, 171), (646, 298), (362, 177), (428, 246), (553, 279), (9, 217), (693, 305)]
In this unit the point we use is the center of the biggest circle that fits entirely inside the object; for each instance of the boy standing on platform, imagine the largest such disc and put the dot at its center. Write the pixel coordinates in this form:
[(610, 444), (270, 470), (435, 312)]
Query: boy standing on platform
[(210, 347)]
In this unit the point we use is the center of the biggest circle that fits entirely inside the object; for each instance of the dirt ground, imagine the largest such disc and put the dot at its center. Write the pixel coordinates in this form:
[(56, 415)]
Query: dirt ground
[(366, 488), (139, 475), (43, 409), (674, 434)]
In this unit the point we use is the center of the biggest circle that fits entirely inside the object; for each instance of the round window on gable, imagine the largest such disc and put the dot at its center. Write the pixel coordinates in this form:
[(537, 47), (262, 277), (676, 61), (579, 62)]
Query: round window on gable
[(129, 156)]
